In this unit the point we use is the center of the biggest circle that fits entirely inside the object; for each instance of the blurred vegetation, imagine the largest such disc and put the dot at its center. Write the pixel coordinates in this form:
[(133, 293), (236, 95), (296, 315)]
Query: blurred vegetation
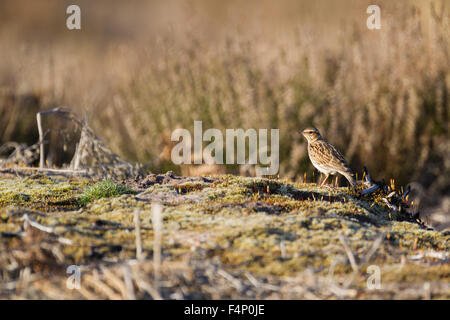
[(142, 69)]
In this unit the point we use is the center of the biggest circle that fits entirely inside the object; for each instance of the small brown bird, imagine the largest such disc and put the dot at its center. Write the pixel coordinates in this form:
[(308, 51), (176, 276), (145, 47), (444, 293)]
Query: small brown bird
[(325, 157)]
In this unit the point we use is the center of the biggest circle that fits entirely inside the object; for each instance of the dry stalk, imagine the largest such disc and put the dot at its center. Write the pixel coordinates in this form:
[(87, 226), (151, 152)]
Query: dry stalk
[(128, 279), (41, 141), (157, 229), (114, 280), (349, 253), (101, 287), (145, 286), (234, 281), (28, 221), (374, 248), (137, 225)]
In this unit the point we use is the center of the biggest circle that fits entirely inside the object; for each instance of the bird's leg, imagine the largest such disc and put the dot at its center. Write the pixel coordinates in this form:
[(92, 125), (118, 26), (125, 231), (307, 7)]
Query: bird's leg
[(325, 179)]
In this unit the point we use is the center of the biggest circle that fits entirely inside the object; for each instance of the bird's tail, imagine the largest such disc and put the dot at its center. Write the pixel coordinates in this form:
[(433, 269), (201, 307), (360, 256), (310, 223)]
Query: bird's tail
[(350, 178)]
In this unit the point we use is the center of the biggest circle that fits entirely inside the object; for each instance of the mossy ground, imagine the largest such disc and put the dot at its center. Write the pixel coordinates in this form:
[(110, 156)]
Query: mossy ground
[(271, 229)]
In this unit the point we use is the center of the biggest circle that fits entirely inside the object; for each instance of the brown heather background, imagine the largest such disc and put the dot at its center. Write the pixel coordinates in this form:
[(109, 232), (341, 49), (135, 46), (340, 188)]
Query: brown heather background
[(144, 68)]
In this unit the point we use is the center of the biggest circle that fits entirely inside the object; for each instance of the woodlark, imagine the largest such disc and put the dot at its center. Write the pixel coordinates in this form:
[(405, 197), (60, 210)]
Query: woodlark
[(325, 157)]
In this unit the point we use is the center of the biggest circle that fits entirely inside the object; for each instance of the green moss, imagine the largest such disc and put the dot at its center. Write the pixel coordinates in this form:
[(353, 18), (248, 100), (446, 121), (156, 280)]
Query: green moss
[(41, 192), (103, 189)]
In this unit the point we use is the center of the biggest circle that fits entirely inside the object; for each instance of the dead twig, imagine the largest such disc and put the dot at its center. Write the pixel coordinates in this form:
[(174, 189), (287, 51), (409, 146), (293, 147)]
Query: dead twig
[(235, 282), (46, 170), (157, 229), (376, 244), (372, 185), (349, 253), (391, 206), (60, 111), (28, 221), (128, 279), (137, 225), (145, 286)]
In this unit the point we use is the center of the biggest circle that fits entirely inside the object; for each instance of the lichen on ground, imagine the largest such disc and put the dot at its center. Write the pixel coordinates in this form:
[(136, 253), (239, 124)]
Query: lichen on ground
[(223, 237)]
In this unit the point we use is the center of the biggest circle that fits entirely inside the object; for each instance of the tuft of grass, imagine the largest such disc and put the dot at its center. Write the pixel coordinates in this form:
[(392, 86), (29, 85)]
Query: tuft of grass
[(103, 189)]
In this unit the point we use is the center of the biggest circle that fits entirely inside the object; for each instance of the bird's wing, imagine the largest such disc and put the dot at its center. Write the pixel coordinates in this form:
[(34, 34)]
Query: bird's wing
[(331, 156)]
